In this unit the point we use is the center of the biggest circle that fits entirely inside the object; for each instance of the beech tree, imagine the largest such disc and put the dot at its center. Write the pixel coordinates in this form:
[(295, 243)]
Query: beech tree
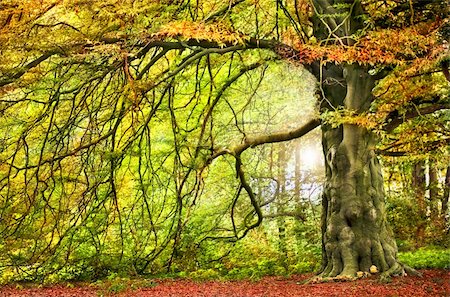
[(83, 81)]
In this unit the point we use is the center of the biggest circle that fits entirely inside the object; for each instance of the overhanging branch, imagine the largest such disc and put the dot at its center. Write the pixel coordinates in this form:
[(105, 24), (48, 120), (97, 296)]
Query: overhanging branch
[(10, 78), (427, 147), (253, 141), (394, 123), (248, 142)]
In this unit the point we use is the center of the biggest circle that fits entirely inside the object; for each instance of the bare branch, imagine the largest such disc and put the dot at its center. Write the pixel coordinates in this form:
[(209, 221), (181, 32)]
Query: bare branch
[(248, 189), (253, 141), (10, 78)]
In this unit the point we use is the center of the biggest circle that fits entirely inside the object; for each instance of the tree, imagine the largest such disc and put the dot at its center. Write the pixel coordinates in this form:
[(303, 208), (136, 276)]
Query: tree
[(419, 188), (93, 77)]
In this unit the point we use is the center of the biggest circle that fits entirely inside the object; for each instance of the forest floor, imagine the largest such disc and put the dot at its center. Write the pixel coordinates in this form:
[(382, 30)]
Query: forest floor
[(432, 283)]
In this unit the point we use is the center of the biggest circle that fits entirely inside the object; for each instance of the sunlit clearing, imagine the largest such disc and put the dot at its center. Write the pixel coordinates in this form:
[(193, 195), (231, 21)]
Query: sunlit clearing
[(311, 157)]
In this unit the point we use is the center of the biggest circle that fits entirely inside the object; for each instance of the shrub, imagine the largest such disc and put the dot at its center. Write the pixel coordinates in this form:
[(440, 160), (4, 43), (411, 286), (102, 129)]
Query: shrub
[(204, 274), (426, 258)]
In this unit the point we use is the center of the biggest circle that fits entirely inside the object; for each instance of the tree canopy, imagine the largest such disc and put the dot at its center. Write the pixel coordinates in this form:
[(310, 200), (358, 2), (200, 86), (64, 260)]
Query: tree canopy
[(115, 116)]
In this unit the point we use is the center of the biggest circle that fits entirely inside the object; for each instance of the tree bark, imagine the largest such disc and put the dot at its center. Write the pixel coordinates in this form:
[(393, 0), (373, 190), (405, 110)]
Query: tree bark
[(355, 233)]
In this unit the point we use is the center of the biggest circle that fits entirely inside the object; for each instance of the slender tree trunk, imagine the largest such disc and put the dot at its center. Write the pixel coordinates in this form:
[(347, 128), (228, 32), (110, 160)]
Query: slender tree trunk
[(445, 198), (281, 223), (297, 174), (419, 188), (434, 190), (355, 234), (299, 207)]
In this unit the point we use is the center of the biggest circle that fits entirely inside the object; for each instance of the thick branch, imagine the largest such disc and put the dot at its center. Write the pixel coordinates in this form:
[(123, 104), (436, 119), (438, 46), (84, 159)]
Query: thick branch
[(429, 146), (10, 78), (146, 45), (158, 41), (252, 141), (389, 127), (390, 154), (245, 185)]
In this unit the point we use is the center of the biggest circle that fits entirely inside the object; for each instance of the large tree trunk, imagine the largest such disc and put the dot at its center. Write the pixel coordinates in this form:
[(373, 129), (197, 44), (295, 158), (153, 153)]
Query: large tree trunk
[(355, 234)]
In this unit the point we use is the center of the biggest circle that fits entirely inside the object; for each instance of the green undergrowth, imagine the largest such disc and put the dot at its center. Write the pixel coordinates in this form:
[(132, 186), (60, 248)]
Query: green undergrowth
[(423, 258), (251, 269), (427, 257)]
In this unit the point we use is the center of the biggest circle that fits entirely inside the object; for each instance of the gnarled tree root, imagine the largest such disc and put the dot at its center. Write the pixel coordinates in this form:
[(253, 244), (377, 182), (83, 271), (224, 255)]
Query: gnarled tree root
[(398, 269)]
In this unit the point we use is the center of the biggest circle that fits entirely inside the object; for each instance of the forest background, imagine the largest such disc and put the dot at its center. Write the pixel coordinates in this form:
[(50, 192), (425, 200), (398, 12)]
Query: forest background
[(143, 138)]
